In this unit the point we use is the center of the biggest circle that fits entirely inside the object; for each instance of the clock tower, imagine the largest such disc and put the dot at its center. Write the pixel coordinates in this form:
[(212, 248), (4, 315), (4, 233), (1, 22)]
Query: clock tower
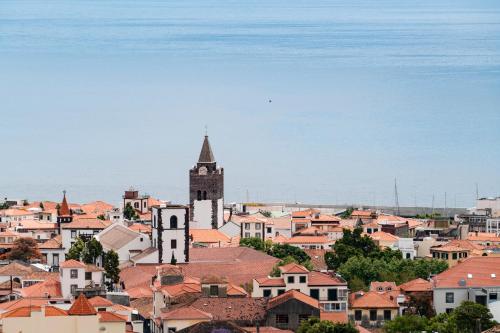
[(206, 191)]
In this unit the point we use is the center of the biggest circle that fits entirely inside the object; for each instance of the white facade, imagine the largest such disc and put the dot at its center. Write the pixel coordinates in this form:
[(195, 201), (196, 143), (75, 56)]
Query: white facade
[(230, 229), (493, 226), (253, 229), (202, 214), (407, 248), (53, 257), (130, 242), (78, 277), (170, 232), (489, 203), (69, 236)]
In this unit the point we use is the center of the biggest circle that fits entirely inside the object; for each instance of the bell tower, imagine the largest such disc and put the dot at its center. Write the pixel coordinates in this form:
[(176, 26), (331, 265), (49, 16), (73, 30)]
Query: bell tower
[(206, 191)]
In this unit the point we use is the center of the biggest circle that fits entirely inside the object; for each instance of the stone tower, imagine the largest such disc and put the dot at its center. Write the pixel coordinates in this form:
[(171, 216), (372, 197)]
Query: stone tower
[(206, 191)]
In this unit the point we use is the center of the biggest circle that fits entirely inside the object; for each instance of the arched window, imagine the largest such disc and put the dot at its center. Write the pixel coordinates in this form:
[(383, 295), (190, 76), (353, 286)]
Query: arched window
[(173, 222), (204, 195), (199, 195)]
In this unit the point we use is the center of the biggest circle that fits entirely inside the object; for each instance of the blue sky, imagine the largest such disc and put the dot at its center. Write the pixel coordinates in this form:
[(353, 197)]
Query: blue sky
[(98, 96)]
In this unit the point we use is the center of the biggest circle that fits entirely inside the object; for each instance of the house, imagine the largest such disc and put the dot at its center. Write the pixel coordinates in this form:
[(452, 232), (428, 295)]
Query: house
[(455, 251), (330, 290), (287, 310), (484, 238), (252, 226), (474, 279), (417, 290), (15, 215), (123, 241), (77, 277), (209, 238), (372, 308), (81, 317), (80, 227), (53, 251), (310, 242), (40, 231), (139, 202)]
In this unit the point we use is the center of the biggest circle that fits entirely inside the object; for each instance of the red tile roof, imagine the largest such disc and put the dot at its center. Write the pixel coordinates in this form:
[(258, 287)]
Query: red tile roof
[(417, 285), (475, 271), (292, 294), (293, 268), (371, 300), (53, 243), (140, 227), (335, 317), (308, 240), (323, 279), (384, 285), (48, 288), (99, 301), (184, 313), (87, 223), (64, 208), (72, 264), (271, 282), (82, 307), (110, 317), (209, 236), (233, 309)]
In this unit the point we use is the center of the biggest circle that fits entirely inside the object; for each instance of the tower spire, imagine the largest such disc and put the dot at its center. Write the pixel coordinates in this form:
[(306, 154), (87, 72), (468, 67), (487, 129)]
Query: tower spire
[(206, 154), (64, 209)]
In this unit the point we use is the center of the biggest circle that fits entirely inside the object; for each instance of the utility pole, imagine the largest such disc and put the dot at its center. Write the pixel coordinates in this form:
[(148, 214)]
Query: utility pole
[(432, 212), (444, 209)]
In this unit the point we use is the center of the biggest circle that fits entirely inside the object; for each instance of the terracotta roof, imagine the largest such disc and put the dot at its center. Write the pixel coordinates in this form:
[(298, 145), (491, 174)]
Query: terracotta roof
[(93, 268), (383, 236), (110, 317), (48, 288), (304, 213), (323, 279), (15, 212), (234, 309), (208, 236), (234, 290), (311, 231), (16, 269), (362, 213), (96, 207), (384, 285), (99, 301), (86, 223), (23, 302), (417, 285), (64, 208), (293, 268), (370, 300), (139, 292), (82, 307), (483, 237), (475, 271), (36, 225), (266, 329), (184, 313), (271, 282), (50, 311), (53, 243), (41, 275), (317, 258), (335, 317), (144, 305), (308, 240), (140, 227), (72, 264), (292, 294)]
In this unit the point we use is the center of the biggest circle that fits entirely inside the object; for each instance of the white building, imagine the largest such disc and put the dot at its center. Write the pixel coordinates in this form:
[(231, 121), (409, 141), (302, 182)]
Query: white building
[(253, 227), (83, 228), (53, 251), (170, 232), (125, 242), (139, 202), (492, 204), (77, 275), (407, 248)]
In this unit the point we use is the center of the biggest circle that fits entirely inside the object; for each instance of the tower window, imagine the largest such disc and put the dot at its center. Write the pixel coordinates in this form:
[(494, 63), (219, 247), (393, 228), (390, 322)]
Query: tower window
[(199, 195), (173, 243), (173, 222), (204, 195)]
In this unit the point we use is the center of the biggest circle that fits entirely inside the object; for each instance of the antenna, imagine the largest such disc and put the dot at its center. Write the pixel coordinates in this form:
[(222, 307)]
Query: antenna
[(445, 211), (432, 213), (396, 196), (477, 191)]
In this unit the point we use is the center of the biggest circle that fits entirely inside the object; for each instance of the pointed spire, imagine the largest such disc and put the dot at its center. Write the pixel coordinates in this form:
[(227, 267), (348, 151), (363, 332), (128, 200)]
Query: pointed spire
[(206, 155), (64, 210)]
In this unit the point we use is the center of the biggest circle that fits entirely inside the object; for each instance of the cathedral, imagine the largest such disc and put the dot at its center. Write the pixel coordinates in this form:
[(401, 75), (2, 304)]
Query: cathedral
[(206, 191)]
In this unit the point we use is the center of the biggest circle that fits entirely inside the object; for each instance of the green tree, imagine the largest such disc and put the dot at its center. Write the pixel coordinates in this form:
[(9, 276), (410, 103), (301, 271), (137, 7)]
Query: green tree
[(283, 251), (266, 213), (88, 252), (76, 249), (24, 249), (347, 214), (41, 205), (406, 324), (111, 263), (101, 217), (173, 261), (352, 243), (129, 212), (253, 242), (315, 325), (472, 317), (442, 323)]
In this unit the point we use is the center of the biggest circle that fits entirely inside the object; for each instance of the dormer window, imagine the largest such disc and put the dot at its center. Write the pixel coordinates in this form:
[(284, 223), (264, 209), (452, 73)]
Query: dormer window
[(389, 288), (214, 291), (380, 289)]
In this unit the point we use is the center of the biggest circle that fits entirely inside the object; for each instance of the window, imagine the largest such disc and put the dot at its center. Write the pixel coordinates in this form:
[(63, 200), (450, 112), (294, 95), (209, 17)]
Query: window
[(199, 195), (332, 294), (281, 291), (73, 233), (269, 230), (448, 310), (291, 279), (247, 235), (258, 226), (144, 205), (267, 292), (314, 293), (88, 275), (173, 222), (387, 314), (204, 195), (247, 226), (282, 319), (450, 298), (257, 234), (73, 288), (373, 315), (408, 256), (302, 279), (454, 256), (136, 205), (173, 243), (493, 296), (73, 274), (357, 315), (214, 290), (101, 309)]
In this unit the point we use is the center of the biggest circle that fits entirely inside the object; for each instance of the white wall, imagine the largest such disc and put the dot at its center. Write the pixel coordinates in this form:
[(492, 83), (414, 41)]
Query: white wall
[(168, 234), (202, 214), (67, 281)]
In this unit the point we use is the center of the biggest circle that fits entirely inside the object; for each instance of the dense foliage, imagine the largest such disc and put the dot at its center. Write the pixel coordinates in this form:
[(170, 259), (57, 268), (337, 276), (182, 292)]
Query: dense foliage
[(129, 212), (111, 263), (360, 261), (469, 317), (315, 325), (25, 249), (88, 252)]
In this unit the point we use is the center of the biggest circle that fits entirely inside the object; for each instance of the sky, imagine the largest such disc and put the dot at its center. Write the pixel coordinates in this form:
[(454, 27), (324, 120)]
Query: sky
[(304, 101)]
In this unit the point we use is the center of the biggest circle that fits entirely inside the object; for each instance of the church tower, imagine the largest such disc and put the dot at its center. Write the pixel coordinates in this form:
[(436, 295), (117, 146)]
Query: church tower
[(206, 191), (63, 213)]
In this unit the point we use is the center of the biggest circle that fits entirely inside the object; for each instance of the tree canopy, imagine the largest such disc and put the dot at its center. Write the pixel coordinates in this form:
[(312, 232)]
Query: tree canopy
[(315, 325), (111, 263), (25, 249), (88, 252), (129, 212)]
